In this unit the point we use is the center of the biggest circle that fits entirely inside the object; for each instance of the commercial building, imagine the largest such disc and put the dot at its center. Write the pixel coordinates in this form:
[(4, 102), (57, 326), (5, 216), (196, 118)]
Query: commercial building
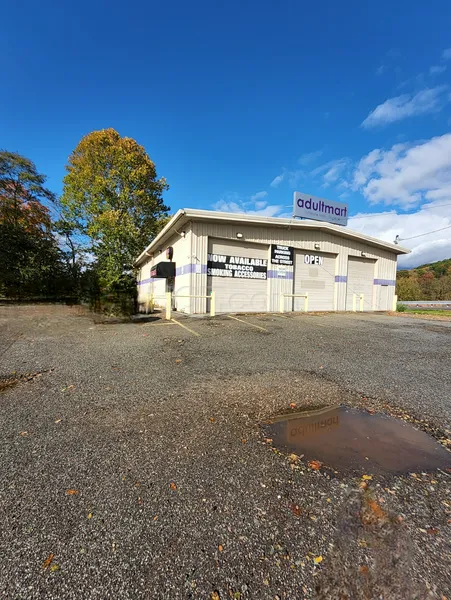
[(256, 264)]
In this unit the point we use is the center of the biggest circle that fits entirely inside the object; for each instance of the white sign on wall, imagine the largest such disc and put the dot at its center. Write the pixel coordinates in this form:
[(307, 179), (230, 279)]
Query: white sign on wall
[(312, 259), (311, 207)]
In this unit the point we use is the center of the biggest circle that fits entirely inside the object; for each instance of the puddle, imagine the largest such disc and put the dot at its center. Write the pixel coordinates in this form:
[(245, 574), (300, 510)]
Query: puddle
[(349, 439)]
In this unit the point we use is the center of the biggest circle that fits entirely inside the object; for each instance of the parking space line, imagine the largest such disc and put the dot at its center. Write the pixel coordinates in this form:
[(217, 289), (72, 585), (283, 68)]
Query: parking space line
[(247, 323), (185, 327), (155, 324)]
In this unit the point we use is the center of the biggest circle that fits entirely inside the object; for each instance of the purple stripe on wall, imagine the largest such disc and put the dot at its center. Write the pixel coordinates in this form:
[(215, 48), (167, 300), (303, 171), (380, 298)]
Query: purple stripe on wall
[(191, 268), (384, 282), (272, 274), (341, 278), (148, 280)]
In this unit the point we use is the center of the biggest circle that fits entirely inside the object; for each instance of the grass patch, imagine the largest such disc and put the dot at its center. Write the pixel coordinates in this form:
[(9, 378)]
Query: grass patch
[(425, 311)]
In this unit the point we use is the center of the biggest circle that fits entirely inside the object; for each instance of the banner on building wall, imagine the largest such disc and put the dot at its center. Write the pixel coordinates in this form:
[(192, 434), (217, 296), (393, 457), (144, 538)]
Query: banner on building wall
[(242, 267), (282, 255)]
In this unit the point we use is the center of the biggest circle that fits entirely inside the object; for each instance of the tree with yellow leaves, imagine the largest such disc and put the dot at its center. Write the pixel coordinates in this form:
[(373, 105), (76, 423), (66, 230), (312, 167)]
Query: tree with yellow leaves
[(112, 195)]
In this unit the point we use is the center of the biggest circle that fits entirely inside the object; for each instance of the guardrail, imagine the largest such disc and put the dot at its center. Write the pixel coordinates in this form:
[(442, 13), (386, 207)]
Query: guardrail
[(169, 297), (424, 304), (283, 296)]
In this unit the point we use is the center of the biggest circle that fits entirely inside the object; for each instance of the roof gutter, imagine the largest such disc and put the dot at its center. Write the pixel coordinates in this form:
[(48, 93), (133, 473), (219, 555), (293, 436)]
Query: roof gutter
[(178, 215)]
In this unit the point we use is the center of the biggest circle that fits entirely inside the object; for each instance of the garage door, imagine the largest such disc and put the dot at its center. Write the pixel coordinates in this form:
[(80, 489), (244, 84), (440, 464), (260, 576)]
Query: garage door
[(237, 272), (314, 274), (360, 281)]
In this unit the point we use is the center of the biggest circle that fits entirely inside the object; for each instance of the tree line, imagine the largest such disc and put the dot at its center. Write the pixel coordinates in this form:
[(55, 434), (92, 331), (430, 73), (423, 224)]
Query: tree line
[(427, 282), (81, 245)]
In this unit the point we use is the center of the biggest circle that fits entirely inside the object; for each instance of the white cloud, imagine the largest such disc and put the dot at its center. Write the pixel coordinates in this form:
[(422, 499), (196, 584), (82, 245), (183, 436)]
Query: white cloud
[(380, 70), (309, 157), (231, 202), (258, 196), (446, 54), (406, 174), (437, 69), (332, 171), (291, 176), (277, 180), (428, 248), (407, 105)]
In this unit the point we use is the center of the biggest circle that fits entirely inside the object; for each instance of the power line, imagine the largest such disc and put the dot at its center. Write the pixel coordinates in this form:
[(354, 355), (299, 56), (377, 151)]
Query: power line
[(422, 234), (399, 215)]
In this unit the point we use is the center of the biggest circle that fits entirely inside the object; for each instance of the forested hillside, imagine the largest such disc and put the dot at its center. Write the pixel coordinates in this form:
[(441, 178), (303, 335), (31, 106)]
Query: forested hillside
[(427, 282)]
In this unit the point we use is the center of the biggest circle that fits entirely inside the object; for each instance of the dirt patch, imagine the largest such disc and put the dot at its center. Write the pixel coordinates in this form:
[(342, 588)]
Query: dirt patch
[(8, 381)]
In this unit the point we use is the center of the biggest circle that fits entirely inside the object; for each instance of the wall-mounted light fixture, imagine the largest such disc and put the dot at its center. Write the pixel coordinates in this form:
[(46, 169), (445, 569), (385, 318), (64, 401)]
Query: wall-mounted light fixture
[(239, 235), (362, 254), (317, 246)]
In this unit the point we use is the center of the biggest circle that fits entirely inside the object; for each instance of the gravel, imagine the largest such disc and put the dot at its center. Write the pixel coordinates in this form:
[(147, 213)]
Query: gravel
[(173, 491)]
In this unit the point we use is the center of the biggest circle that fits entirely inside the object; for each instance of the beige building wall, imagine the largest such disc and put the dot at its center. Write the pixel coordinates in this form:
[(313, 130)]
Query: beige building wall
[(157, 287), (302, 239)]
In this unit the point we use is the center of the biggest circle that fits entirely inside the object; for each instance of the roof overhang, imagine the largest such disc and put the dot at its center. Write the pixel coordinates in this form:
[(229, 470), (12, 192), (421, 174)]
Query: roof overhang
[(185, 215)]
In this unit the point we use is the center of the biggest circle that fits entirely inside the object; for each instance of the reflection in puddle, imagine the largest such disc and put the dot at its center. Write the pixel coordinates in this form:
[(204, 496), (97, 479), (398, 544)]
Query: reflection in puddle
[(347, 438)]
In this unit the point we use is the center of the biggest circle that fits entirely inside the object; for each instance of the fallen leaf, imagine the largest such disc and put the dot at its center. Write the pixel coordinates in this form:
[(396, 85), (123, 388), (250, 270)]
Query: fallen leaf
[(23, 433), (58, 420), (90, 516), (295, 509), (268, 440), (364, 569), (293, 405), (433, 531), (220, 547), (317, 560), (48, 560), (215, 596), (293, 458), (71, 492), (178, 360), (54, 567), (155, 518), (243, 441), (374, 512), (367, 477), (172, 486), (211, 419), (315, 465)]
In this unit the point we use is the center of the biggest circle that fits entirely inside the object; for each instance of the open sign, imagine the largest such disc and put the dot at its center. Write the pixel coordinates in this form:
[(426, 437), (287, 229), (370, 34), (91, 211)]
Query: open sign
[(313, 259)]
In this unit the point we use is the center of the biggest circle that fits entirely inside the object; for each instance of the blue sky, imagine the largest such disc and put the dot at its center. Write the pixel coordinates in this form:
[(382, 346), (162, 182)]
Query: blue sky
[(241, 103)]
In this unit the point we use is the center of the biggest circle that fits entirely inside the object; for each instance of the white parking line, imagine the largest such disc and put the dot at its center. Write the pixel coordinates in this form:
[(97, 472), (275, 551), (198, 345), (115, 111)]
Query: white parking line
[(185, 327), (247, 323)]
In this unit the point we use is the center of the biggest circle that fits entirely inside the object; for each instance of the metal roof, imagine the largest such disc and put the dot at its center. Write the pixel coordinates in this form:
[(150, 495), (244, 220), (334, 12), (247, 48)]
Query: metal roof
[(185, 215)]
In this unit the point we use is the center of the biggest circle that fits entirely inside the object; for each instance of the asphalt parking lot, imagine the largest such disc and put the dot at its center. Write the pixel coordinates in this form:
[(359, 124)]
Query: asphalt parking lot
[(133, 464)]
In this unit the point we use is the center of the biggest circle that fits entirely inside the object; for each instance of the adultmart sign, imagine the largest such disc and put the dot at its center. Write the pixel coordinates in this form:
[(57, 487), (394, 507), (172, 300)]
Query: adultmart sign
[(243, 267), (311, 207)]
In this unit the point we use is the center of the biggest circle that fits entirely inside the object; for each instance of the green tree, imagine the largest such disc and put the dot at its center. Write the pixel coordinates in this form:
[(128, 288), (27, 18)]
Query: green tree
[(408, 288), (112, 195), (29, 254)]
